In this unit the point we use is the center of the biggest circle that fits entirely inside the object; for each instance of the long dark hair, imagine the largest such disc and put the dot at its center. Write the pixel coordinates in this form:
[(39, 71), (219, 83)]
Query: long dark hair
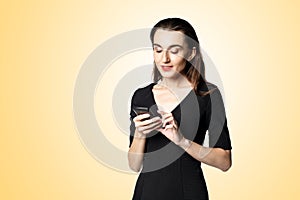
[(194, 70)]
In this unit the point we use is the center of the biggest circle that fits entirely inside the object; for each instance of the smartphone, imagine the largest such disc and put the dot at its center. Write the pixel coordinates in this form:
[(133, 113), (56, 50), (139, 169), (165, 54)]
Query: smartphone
[(142, 110)]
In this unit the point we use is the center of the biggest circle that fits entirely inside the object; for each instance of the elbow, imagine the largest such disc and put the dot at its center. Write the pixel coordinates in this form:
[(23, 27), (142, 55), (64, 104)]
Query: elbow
[(226, 166), (226, 162), (133, 164), (133, 167)]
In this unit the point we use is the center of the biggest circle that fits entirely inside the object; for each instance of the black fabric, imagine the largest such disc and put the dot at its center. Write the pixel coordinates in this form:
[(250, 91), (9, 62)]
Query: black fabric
[(181, 177)]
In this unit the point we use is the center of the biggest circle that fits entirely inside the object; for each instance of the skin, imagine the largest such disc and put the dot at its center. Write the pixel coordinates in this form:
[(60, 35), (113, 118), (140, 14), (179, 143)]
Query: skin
[(170, 53)]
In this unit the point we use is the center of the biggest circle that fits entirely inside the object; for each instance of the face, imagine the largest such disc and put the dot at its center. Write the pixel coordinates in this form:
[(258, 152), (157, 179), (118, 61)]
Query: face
[(170, 51)]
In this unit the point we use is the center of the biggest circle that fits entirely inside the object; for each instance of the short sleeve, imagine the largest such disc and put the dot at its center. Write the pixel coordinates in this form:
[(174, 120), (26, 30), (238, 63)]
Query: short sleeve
[(217, 130)]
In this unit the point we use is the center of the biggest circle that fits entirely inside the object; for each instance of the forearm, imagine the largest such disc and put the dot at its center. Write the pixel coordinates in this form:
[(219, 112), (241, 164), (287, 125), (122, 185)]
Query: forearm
[(215, 157), (136, 152)]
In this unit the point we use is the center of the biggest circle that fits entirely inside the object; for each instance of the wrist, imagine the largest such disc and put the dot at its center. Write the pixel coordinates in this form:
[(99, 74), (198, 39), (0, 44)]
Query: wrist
[(185, 143), (139, 135)]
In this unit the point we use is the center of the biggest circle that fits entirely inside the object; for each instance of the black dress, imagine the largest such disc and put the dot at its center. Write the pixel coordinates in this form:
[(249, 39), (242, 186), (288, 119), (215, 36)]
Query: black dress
[(169, 173)]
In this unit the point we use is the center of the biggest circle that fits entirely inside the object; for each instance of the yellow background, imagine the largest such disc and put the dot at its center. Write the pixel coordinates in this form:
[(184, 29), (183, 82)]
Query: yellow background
[(254, 44)]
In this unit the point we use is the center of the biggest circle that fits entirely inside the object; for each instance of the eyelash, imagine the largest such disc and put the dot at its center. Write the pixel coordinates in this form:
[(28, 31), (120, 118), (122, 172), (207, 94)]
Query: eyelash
[(172, 51)]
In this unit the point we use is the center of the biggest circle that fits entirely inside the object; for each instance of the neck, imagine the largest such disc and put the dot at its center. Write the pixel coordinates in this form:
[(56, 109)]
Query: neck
[(178, 82)]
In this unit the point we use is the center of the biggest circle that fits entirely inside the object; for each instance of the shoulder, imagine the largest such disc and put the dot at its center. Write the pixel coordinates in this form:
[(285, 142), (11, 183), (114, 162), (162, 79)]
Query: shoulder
[(214, 92), (206, 89), (143, 92), (211, 94), (211, 86), (216, 102)]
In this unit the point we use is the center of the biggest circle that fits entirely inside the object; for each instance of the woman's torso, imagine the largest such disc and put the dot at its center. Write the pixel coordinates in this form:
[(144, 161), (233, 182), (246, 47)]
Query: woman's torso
[(169, 172)]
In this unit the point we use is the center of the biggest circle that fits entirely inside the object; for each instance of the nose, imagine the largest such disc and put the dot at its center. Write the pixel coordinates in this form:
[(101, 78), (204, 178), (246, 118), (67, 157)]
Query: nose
[(165, 56)]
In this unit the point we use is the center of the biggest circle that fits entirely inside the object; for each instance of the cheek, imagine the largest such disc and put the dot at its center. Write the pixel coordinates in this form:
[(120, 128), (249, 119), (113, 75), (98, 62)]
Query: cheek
[(180, 64), (156, 57), (178, 60)]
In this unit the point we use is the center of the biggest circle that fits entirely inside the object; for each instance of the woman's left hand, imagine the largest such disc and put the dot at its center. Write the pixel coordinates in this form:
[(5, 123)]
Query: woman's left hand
[(170, 127)]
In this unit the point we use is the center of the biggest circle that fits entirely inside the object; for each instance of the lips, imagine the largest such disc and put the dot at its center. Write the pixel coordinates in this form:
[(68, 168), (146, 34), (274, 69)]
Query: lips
[(166, 68)]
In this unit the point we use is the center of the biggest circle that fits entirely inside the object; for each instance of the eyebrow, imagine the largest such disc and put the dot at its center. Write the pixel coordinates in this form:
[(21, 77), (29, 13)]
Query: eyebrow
[(173, 45)]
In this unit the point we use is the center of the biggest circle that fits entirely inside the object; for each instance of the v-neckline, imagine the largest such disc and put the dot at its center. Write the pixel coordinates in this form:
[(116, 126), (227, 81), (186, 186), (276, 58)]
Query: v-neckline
[(153, 99)]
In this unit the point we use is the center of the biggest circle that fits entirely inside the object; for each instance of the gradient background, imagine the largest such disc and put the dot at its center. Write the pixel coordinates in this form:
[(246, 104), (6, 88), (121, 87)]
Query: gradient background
[(254, 44)]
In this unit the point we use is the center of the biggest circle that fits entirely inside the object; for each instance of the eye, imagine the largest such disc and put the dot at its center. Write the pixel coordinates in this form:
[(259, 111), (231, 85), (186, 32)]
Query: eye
[(174, 50), (157, 49)]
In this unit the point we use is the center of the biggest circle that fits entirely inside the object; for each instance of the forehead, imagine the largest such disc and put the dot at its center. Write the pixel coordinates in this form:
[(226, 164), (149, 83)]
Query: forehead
[(167, 38)]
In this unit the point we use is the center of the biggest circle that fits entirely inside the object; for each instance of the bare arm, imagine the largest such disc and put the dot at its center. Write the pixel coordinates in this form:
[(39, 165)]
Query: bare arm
[(137, 148), (136, 152), (216, 157)]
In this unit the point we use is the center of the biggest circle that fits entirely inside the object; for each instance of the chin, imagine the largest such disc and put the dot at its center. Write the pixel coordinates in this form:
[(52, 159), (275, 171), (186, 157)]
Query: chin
[(169, 75)]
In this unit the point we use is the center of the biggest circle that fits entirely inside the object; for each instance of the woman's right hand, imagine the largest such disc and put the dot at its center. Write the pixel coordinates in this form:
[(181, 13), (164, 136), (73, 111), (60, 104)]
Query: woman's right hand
[(145, 126)]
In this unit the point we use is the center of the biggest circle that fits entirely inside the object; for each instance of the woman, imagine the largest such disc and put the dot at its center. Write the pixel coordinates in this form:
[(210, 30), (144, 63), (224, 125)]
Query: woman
[(167, 145)]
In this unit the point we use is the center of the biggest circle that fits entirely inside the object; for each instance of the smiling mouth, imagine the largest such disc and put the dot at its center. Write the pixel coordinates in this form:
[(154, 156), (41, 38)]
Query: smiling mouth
[(166, 68)]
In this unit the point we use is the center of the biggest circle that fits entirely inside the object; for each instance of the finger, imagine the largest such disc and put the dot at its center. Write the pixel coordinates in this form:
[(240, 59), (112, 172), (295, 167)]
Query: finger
[(146, 122), (166, 115), (169, 126), (149, 128), (154, 128), (149, 121), (168, 120), (159, 126), (146, 131), (141, 117)]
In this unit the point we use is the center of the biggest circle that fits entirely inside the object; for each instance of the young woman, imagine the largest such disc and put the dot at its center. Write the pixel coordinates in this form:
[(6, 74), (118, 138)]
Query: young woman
[(166, 143)]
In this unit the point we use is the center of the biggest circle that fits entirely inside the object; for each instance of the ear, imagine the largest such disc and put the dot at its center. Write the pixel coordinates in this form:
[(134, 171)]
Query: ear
[(193, 53)]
